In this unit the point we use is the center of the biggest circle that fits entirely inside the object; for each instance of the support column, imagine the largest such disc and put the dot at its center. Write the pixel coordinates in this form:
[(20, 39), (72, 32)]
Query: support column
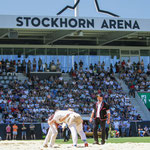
[(76, 11)]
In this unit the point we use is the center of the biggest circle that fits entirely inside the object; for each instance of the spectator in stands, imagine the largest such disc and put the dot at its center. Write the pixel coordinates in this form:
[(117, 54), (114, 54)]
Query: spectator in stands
[(103, 65), (139, 117), (39, 64), (80, 65), (23, 66), (0, 67), (58, 66), (52, 66), (128, 65), (3, 65), (141, 132), (28, 67), (146, 130), (132, 90), (123, 64), (111, 68), (7, 65), (142, 65), (148, 69), (14, 65), (19, 66), (75, 66), (91, 67), (116, 67), (34, 65), (44, 66)]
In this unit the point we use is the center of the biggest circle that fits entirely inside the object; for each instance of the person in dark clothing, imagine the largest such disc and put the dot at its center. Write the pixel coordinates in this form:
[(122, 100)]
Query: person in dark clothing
[(32, 131), (66, 132), (75, 66), (81, 64), (24, 134), (106, 131), (100, 113)]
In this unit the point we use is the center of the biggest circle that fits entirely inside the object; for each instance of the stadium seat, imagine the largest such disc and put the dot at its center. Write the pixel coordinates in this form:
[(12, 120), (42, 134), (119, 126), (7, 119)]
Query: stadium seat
[(4, 73), (15, 77), (7, 81), (5, 86), (5, 77), (9, 74), (10, 77), (2, 81)]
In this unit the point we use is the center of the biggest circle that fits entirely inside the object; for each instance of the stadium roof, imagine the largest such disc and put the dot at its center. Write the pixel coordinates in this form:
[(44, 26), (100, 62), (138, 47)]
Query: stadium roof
[(121, 35), (63, 37)]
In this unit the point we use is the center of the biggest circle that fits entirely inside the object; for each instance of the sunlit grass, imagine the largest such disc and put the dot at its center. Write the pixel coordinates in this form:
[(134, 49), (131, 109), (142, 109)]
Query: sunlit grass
[(112, 140)]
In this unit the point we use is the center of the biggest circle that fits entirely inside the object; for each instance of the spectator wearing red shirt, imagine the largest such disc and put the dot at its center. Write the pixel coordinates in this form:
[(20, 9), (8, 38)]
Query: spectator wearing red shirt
[(123, 65), (132, 90)]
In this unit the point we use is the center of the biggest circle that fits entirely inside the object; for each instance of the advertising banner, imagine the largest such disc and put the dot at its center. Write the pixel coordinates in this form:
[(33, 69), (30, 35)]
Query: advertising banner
[(74, 23), (145, 96)]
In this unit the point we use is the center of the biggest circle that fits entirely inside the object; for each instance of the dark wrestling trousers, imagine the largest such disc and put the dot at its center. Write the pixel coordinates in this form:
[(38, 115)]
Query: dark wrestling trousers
[(98, 122)]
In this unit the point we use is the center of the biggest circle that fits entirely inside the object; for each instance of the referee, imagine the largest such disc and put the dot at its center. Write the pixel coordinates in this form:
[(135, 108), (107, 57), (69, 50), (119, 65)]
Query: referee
[(100, 113)]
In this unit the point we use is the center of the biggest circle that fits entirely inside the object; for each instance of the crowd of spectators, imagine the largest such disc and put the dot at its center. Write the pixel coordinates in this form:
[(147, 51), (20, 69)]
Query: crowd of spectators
[(135, 77), (12, 131), (128, 66), (145, 131), (34, 100), (27, 67)]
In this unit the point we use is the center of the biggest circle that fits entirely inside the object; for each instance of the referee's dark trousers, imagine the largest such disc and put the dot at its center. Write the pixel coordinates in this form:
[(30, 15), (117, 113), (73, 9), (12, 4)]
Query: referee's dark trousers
[(98, 122)]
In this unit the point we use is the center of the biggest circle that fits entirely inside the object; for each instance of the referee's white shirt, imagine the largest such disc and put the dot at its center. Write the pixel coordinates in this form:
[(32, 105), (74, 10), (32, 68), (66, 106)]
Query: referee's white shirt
[(98, 110)]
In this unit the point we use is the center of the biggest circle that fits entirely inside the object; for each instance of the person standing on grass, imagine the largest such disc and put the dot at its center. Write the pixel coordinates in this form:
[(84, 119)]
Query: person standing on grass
[(8, 132), (100, 113), (32, 131), (15, 129), (23, 129), (107, 131), (66, 132)]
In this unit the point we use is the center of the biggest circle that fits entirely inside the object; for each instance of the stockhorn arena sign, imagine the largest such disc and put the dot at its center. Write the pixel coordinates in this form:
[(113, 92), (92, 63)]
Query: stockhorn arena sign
[(74, 23)]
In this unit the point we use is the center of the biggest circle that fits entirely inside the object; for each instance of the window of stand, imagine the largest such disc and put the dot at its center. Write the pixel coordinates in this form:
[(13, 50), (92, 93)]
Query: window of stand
[(40, 51), (7, 51)]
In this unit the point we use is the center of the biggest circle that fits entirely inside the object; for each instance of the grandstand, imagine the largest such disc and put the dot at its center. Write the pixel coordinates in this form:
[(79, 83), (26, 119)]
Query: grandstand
[(44, 68)]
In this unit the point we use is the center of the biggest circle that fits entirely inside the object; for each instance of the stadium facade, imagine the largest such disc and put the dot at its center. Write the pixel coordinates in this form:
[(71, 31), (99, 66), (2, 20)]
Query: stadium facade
[(87, 39), (71, 39)]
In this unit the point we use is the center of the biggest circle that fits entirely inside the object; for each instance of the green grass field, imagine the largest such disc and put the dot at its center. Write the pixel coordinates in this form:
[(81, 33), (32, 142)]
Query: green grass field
[(112, 140)]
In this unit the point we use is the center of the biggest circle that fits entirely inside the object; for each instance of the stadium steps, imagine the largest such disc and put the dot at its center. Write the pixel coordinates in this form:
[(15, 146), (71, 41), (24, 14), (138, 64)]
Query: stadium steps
[(122, 84), (148, 78), (66, 77), (21, 77), (142, 108), (136, 102), (0, 117)]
